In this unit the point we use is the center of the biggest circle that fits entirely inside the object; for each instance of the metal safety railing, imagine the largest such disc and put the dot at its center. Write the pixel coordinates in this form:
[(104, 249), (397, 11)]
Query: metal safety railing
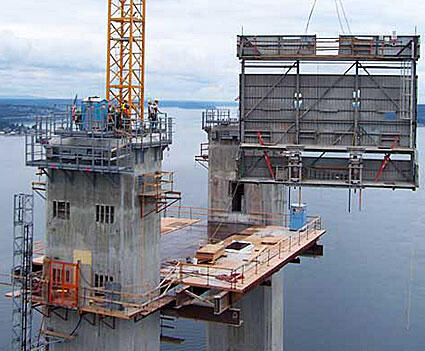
[(356, 46), (64, 285), (236, 278), (215, 117), (223, 215), (64, 142)]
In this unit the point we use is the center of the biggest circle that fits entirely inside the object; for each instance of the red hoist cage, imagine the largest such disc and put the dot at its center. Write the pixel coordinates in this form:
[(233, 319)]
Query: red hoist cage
[(125, 72), (63, 284)]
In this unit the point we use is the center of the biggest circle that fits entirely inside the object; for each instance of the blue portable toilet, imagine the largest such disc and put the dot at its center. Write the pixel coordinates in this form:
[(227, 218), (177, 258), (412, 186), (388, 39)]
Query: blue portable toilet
[(297, 216), (94, 114)]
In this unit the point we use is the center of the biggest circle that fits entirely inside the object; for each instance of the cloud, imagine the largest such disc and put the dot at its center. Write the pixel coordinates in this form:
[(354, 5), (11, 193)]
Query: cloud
[(56, 49)]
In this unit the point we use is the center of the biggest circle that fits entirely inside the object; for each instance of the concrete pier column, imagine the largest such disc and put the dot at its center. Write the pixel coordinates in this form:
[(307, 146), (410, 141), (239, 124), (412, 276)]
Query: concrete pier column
[(263, 318)]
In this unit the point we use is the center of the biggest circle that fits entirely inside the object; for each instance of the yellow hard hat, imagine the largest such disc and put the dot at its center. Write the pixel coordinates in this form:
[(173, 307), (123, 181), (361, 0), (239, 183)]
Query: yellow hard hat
[(156, 100), (149, 101)]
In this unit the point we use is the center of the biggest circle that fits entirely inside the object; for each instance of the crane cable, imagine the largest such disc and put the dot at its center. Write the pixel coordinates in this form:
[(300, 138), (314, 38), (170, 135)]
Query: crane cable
[(310, 15), (339, 17), (344, 14)]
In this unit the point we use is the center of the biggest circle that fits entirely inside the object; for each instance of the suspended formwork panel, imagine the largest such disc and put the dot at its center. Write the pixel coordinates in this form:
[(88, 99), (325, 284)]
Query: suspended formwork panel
[(368, 47), (363, 102)]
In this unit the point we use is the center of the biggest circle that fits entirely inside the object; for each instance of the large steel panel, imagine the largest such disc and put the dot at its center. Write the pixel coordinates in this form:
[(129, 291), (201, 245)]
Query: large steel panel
[(327, 113)]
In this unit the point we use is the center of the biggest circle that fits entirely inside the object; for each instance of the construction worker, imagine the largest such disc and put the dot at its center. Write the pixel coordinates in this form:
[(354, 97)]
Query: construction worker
[(125, 109), (79, 119), (155, 112), (151, 114)]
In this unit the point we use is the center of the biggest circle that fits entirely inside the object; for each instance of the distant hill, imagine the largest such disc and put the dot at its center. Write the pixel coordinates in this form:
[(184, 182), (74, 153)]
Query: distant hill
[(23, 108), (17, 108)]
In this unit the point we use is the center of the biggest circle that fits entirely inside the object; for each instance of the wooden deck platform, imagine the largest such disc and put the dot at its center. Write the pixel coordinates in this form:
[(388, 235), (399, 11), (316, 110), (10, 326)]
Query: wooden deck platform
[(171, 224), (131, 312), (250, 257)]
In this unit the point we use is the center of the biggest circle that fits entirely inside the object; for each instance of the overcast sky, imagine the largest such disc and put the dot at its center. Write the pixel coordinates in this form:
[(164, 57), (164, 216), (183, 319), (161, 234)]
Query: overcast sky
[(57, 48)]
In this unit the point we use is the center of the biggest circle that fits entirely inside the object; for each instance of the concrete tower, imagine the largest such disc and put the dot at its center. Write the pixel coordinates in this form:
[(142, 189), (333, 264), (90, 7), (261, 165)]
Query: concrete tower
[(103, 232), (263, 308)]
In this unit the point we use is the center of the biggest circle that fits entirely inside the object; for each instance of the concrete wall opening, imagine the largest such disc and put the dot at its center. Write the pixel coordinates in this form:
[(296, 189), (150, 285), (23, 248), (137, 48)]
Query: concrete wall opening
[(105, 214), (237, 191), (61, 209), (101, 281)]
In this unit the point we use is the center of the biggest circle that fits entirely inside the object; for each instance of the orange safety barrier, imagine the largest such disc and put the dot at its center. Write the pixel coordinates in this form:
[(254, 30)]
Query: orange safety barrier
[(63, 284)]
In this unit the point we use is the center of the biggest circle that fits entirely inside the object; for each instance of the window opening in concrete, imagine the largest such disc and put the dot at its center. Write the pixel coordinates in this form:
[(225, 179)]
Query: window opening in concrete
[(61, 209), (100, 281), (238, 192), (105, 214)]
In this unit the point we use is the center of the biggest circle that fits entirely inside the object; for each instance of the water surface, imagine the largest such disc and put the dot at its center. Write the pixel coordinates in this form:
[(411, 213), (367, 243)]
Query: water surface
[(366, 293)]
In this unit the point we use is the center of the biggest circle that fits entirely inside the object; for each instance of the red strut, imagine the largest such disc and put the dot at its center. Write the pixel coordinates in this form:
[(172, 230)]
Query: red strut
[(386, 160), (266, 155)]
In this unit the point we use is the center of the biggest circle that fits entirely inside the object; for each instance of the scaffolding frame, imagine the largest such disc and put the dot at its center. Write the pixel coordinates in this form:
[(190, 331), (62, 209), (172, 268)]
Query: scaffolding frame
[(156, 192), (217, 117), (23, 230), (58, 142)]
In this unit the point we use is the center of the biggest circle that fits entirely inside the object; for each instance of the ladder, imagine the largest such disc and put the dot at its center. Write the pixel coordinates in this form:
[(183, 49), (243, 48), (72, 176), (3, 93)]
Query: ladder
[(406, 91), (22, 272)]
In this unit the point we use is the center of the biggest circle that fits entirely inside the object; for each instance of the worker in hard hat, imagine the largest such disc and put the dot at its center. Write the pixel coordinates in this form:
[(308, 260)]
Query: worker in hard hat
[(125, 111), (79, 119), (155, 113)]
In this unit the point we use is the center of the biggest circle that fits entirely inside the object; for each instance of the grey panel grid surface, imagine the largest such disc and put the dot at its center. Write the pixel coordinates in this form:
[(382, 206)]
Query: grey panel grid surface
[(327, 110)]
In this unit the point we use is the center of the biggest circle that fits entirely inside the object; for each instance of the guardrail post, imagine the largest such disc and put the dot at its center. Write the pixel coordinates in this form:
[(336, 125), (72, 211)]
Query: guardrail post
[(232, 275), (208, 276), (268, 257), (243, 273), (299, 238)]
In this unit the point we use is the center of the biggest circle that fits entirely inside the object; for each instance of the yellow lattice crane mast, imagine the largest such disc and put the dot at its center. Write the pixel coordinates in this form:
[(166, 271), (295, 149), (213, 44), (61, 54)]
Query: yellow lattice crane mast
[(125, 75)]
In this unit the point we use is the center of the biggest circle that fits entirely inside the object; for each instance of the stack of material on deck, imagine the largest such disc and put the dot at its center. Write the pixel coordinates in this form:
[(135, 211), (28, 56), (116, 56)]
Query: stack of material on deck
[(210, 253)]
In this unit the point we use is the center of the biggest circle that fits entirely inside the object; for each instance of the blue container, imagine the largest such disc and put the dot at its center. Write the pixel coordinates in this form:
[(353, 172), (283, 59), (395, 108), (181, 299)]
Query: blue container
[(297, 216), (94, 114)]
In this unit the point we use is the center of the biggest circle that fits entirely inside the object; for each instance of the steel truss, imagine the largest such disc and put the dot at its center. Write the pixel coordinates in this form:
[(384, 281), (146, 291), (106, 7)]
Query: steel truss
[(126, 54)]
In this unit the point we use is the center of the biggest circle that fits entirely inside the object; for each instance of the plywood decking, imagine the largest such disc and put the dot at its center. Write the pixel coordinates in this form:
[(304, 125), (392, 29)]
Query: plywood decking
[(170, 224), (272, 248)]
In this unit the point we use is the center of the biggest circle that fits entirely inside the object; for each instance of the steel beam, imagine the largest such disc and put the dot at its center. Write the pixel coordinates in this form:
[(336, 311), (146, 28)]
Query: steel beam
[(231, 316)]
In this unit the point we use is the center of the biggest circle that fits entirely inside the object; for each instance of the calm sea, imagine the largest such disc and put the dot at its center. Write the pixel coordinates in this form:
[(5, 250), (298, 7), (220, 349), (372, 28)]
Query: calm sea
[(366, 293)]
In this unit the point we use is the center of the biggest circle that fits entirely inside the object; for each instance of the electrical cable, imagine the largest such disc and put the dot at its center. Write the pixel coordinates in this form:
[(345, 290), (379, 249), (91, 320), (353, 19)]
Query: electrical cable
[(310, 15), (77, 326)]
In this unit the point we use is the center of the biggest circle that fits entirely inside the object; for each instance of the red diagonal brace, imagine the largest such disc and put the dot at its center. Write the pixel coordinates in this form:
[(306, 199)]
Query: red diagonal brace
[(266, 155), (386, 160)]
